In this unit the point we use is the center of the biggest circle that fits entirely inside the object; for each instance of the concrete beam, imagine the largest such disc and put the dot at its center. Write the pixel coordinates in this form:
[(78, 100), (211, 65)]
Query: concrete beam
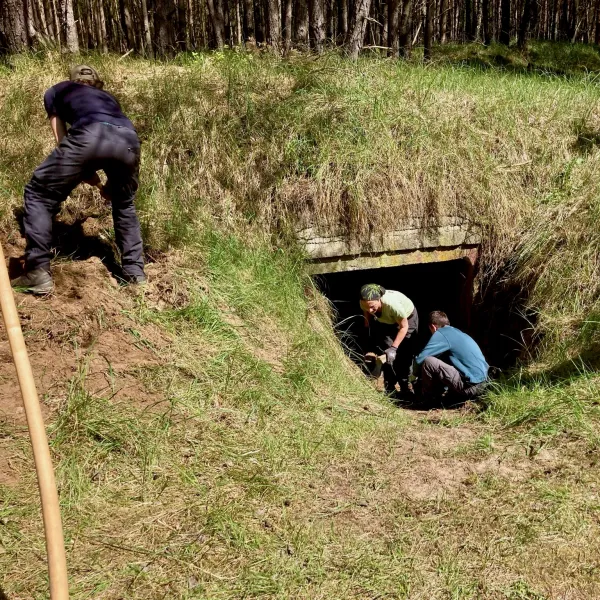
[(415, 242), (395, 259), (413, 235)]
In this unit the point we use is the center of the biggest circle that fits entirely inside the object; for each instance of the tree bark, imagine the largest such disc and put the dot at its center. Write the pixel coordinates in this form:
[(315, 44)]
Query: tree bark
[(525, 23), (215, 9), (505, 25), (101, 23), (287, 25), (13, 26), (149, 50), (342, 21), (428, 32), (70, 30), (249, 20), (404, 40), (301, 23), (165, 17), (357, 34), (392, 31), (485, 22), (316, 18), (443, 22), (127, 24), (274, 13)]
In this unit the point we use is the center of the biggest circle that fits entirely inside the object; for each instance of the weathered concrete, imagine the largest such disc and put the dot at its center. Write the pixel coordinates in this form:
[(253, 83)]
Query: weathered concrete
[(416, 242)]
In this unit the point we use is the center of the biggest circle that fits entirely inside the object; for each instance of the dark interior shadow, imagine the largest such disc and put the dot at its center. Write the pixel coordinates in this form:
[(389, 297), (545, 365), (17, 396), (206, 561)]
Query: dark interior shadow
[(70, 240), (3, 596)]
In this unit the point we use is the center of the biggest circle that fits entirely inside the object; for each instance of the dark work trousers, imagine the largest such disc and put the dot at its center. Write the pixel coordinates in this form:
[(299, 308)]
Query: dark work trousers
[(382, 336), (82, 152), (436, 375)]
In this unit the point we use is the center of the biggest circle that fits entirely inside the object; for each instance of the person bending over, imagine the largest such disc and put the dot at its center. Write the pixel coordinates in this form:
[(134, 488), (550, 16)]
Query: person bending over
[(100, 137), (465, 377), (392, 323)]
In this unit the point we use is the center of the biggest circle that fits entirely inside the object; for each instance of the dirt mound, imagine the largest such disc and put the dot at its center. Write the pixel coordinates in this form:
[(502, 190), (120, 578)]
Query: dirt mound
[(82, 330)]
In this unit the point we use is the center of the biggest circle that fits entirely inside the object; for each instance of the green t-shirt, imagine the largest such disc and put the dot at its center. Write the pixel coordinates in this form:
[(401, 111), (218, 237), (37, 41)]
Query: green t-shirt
[(394, 307)]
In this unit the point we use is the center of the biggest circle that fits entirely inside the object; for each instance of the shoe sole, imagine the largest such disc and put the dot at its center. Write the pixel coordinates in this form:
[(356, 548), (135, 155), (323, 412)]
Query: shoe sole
[(43, 289)]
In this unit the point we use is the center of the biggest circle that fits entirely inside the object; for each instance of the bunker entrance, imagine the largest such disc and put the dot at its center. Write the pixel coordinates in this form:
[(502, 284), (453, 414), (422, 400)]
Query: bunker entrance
[(445, 286)]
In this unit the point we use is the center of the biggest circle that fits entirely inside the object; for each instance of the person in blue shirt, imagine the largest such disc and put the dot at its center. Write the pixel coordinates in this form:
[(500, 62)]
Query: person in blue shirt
[(464, 370), (100, 137)]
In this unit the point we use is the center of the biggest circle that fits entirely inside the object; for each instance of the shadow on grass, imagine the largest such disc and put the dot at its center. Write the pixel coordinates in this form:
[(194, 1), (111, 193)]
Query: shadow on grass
[(552, 59), (76, 241)]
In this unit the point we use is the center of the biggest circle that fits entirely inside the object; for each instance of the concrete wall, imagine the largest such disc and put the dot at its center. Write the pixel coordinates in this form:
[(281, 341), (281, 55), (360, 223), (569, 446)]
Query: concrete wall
[(414, 242)]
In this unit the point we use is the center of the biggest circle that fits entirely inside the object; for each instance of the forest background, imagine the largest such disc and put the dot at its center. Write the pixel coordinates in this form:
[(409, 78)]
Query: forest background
[(393, 27)]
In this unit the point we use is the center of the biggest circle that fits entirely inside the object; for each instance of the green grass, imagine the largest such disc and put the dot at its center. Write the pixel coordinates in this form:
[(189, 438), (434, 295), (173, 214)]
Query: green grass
[(243, 138), (262, 464)]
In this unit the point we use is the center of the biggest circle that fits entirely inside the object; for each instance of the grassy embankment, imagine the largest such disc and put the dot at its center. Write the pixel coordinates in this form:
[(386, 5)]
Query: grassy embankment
[(222, 494)]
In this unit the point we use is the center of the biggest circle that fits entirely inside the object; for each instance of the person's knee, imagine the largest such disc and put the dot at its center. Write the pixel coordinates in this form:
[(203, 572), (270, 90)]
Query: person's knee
[(429, 364)]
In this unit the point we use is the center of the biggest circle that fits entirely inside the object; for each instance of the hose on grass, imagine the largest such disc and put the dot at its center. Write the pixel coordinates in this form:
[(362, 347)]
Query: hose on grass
[(55, 546)]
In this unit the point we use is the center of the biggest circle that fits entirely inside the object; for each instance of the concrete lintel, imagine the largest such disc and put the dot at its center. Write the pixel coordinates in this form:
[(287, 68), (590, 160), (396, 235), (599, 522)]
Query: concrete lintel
[(395, 259), (449, 232)]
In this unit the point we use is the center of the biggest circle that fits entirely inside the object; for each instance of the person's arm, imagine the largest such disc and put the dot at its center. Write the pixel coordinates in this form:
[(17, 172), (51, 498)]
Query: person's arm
[(402, 331), (438, 344), (59, 128)]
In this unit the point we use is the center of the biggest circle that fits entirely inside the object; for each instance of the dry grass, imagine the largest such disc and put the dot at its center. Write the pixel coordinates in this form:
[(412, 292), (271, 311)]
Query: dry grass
[(249, 459)]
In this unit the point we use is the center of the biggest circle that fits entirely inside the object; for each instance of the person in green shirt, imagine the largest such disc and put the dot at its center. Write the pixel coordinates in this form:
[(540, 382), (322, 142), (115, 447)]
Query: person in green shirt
[(391, 325)]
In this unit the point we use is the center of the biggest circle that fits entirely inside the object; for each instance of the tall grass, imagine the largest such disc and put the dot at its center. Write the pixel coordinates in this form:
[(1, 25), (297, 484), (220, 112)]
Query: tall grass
[(266, 468), (249, 138)]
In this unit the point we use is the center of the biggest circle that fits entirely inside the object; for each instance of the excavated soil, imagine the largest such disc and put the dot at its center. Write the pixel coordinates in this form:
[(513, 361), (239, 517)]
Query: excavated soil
[(81, 330)]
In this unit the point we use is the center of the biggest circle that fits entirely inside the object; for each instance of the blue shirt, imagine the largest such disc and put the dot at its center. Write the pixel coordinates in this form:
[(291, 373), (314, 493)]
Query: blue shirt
[(463, 351), (79, 104)]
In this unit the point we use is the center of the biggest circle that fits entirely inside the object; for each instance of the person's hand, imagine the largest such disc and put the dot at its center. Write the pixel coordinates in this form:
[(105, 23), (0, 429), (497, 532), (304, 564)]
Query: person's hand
[(390, 354)]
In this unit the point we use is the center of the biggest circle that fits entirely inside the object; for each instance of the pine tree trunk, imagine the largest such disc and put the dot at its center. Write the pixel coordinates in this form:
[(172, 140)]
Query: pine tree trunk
[(287, 25), (404, 40), (249, 21), (239, 26), (357, 34), (127, 24), (343, 20), (505, 26), (597, 32), (485, 22), (102, 27), (149, 50), (301, 23), (13, 26), (274, 13), (317, 24), (428, 32), (525, 22), (392, 30), (443, 22), (215, 9), (68, 21)]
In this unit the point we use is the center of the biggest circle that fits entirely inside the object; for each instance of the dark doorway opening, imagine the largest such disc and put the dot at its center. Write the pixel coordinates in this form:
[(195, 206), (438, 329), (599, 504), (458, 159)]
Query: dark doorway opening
[(446, 286)]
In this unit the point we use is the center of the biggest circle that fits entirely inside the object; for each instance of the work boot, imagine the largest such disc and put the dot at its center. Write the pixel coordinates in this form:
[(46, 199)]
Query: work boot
[(128, 279), (37, 281)]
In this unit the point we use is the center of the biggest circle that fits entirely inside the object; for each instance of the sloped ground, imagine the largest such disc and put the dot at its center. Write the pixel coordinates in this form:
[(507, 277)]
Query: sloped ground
[(182, 481)]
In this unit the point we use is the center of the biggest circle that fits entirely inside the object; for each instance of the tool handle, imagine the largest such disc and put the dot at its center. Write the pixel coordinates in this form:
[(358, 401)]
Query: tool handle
[(55, 546)]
